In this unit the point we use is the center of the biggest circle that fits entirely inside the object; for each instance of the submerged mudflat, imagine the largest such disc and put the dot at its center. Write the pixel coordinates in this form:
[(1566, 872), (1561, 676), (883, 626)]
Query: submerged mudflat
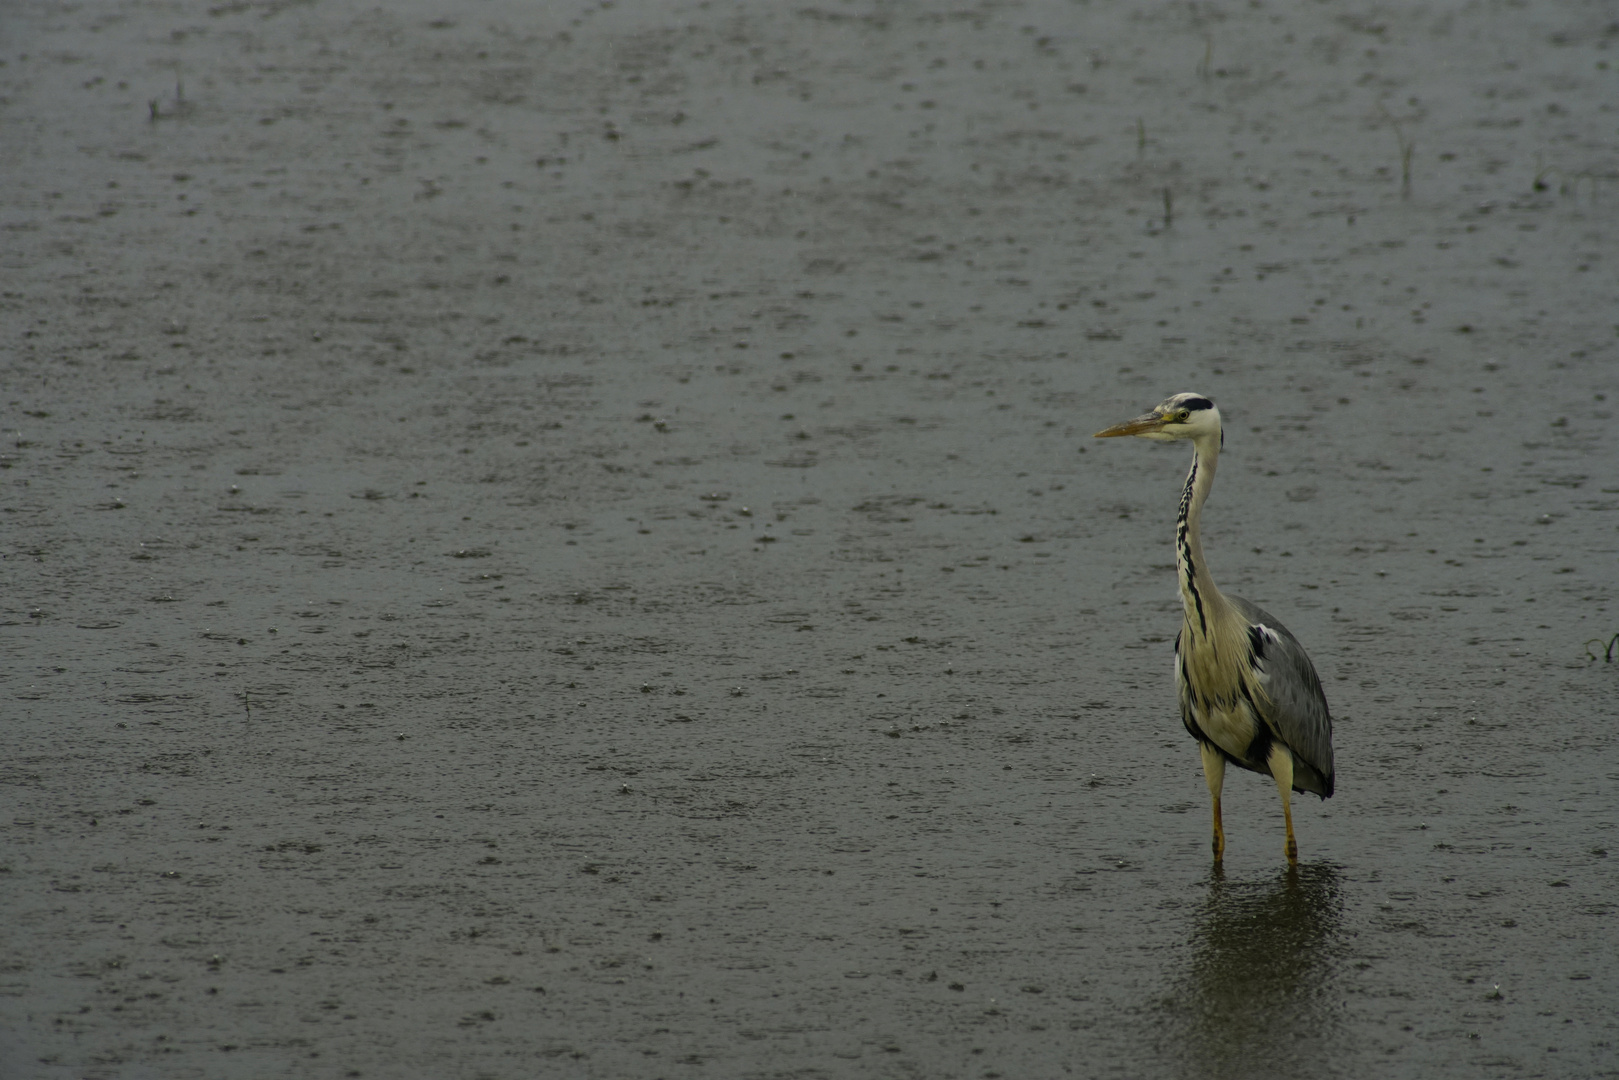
[(568, 542)]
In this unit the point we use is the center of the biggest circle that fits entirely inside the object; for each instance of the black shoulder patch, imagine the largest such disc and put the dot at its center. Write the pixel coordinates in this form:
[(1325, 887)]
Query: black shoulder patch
[(1256, 642)]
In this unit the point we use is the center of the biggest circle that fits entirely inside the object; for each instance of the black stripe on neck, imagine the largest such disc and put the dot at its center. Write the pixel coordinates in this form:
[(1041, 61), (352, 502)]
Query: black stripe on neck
[(1183, 544)]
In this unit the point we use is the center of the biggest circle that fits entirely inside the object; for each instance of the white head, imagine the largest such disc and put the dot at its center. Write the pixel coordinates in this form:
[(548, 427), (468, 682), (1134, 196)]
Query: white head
[(1183, 416)]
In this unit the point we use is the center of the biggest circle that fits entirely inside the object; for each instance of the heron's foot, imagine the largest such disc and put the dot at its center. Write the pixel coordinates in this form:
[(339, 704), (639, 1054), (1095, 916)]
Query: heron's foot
[(1218, 845)]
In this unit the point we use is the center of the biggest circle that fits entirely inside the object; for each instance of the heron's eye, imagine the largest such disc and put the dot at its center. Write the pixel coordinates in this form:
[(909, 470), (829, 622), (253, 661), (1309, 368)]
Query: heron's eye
[(1182, 416)]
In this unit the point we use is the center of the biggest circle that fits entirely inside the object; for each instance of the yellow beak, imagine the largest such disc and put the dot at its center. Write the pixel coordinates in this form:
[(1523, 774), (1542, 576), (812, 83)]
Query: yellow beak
[(1150, 422)]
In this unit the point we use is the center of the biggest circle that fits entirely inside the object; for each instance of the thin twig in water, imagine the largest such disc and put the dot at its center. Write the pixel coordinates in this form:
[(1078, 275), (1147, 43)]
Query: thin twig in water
[(1406, 147), (1607, 653)]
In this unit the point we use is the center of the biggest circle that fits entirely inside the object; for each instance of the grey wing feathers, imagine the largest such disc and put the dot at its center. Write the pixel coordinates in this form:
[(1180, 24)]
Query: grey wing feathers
[(1297, 710)]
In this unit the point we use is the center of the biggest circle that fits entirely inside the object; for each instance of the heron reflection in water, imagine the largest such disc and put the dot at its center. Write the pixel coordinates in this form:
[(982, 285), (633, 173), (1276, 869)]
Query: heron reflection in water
[(1259, 998)]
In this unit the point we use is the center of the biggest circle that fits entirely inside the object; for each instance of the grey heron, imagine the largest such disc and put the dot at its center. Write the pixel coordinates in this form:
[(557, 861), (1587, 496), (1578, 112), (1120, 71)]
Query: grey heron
[(1248, 692)]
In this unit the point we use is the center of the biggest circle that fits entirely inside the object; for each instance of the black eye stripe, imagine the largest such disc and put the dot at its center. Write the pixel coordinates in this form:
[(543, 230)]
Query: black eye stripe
[(1196, 403)]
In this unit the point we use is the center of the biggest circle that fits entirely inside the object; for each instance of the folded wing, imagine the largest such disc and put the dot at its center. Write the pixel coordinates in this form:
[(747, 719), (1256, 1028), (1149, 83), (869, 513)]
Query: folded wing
[(1297, 708)]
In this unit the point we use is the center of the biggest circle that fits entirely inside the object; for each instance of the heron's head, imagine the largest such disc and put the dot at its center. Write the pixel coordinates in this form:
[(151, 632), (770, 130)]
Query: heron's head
[(1184, 416)]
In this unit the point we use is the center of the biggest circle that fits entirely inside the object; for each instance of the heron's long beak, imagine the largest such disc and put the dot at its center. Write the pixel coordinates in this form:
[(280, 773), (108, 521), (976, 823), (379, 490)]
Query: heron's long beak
[(1138, 426)]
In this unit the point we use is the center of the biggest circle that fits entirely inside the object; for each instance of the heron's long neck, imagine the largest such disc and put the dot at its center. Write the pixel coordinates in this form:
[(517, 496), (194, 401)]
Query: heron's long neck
[(1201, 599)]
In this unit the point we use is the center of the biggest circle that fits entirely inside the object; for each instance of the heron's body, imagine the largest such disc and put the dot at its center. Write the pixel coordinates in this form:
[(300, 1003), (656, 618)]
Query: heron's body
[(1243, 717), (1248, 692)]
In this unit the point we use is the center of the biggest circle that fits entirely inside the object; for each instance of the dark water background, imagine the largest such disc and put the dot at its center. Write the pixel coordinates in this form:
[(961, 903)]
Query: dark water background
[(565, 541)]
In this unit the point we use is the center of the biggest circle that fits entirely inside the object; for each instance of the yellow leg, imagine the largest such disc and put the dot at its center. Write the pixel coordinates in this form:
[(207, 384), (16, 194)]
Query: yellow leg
[(1214, 773), (1281, 767)]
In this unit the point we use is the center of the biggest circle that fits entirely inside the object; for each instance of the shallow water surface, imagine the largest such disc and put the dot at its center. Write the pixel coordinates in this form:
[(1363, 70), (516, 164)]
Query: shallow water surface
[(569, 542)]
